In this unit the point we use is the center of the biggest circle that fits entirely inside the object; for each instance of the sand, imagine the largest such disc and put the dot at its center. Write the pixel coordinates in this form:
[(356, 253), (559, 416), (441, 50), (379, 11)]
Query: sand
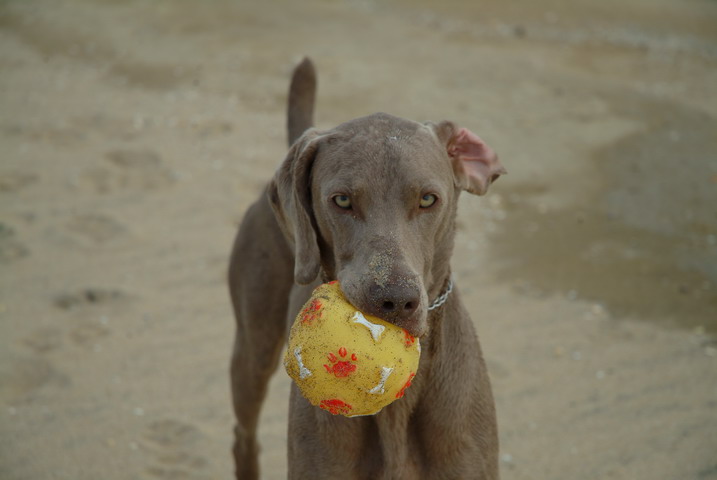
[(133, 136)]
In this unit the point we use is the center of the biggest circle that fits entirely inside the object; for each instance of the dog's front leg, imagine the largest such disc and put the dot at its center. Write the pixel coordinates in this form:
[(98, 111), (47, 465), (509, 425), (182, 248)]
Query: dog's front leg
[(322, 445)]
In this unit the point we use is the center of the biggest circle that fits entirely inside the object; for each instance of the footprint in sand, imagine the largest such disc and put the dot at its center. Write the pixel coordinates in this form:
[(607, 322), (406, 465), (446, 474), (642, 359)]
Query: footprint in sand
[(88, 332), (21, 376), (172, 444), (94, 229), (86, 326), (82, 332), (12, 182), (11, 248), (128, 170), (88, 297), (90, 310), (44, 340)]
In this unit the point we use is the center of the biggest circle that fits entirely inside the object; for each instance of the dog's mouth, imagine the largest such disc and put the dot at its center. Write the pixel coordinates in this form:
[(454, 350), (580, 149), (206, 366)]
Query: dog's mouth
[(417, 325), (395, 293), (405, 311)]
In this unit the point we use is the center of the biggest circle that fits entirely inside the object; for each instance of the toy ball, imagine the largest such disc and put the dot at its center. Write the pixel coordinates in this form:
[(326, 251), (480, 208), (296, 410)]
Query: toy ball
[(347, 362)]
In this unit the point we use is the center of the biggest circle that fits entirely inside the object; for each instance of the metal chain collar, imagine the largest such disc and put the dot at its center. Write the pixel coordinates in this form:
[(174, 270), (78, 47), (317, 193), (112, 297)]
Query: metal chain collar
[(443, 297)]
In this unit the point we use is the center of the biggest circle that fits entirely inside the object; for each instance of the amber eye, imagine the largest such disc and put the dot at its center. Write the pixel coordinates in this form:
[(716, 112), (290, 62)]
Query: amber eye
[(342, 201), (428, 200)]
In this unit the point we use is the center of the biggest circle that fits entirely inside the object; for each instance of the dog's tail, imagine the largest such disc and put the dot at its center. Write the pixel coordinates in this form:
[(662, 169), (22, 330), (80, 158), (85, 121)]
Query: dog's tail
[(302, 93)]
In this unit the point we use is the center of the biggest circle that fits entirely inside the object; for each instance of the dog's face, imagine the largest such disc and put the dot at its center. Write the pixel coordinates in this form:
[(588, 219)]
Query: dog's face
[(372, 203)]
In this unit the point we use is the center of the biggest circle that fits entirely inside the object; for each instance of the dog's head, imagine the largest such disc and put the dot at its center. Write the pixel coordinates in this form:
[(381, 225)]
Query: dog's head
[(372, 203)]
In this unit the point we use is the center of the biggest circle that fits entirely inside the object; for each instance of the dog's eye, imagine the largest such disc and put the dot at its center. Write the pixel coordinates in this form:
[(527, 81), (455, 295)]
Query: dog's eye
[(343, 201), (428, 200)]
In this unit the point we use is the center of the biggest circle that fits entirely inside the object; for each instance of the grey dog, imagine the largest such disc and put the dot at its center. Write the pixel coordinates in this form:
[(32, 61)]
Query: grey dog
[(370, 203)]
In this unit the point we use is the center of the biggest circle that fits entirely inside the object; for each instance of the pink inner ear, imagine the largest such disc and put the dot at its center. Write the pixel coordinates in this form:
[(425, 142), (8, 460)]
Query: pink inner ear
[(470, 148), (478, 162)]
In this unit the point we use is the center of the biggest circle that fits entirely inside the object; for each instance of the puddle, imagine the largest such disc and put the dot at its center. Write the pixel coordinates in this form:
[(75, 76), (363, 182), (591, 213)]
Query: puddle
[(646, 244)]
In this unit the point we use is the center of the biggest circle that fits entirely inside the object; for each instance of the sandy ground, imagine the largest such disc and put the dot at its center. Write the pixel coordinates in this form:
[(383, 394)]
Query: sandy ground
[(133, 135)]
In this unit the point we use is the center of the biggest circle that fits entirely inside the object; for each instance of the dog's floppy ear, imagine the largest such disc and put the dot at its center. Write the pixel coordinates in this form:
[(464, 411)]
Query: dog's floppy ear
[(475, 164), (290, 195)]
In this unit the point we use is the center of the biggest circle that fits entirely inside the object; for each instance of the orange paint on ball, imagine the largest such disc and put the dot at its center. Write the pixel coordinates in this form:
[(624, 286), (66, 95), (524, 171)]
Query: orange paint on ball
[(341, 368), (409, 339), (336, 406), (311, 312), (402, 392)]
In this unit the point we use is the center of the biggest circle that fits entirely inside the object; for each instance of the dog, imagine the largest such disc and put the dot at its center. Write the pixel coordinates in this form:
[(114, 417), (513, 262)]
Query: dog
[(370, 203)]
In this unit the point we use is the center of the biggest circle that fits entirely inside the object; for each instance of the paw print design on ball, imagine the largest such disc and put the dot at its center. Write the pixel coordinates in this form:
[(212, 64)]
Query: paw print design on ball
[(311, 312), (347, 362), (341, 368), (336, 406)]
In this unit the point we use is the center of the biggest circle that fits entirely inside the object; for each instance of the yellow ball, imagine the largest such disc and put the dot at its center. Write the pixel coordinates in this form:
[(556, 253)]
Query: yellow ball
[(347, 362)]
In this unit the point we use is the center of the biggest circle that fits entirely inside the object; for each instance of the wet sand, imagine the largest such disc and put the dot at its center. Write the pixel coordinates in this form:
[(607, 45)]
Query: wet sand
[(134, 135)]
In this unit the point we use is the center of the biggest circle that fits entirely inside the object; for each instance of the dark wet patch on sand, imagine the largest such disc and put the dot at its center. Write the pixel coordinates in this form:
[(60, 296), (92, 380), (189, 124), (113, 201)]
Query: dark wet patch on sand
[(645, 245)]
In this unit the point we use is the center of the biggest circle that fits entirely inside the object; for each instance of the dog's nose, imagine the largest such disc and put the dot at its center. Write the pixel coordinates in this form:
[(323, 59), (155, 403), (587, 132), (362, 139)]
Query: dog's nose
[(395, 303), (400, 308)]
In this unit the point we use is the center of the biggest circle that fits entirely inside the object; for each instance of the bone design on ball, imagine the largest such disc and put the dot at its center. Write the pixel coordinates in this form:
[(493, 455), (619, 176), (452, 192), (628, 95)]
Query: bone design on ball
[(347, 362), (375, 329)]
